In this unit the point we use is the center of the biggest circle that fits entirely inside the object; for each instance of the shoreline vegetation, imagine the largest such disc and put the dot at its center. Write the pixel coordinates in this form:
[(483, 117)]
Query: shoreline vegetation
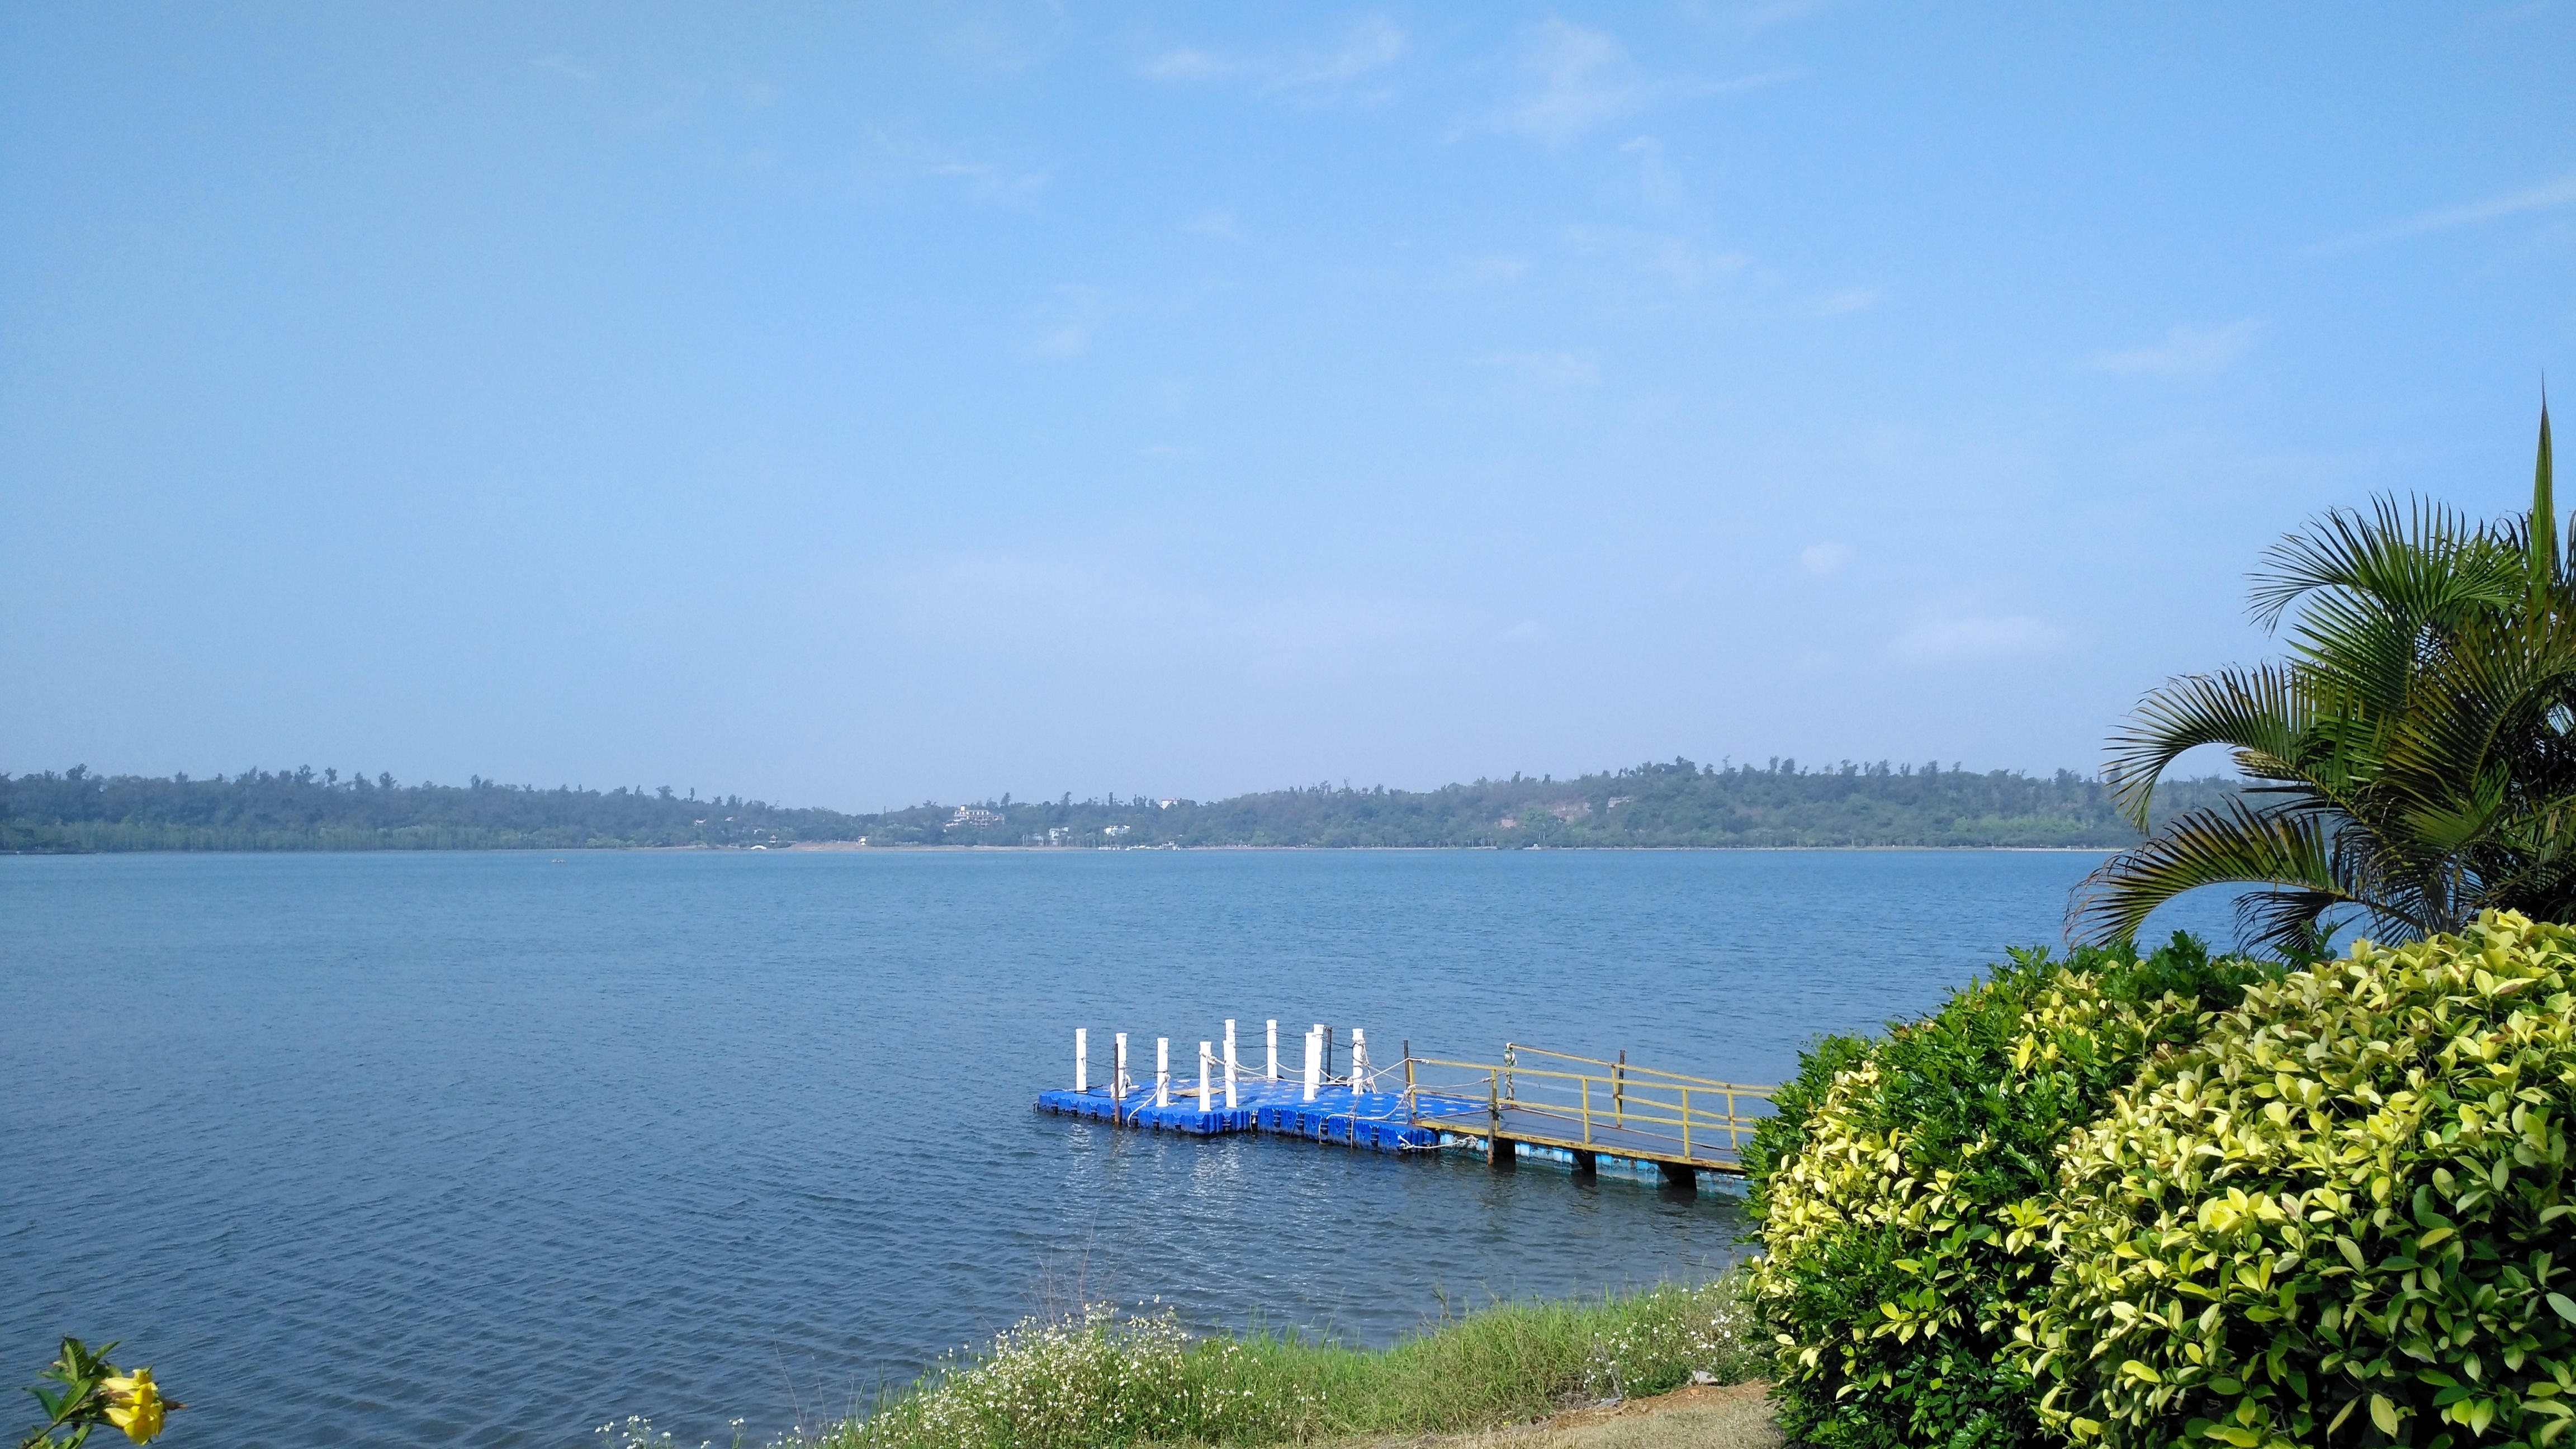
[(1679, 805), (1099, 1376)]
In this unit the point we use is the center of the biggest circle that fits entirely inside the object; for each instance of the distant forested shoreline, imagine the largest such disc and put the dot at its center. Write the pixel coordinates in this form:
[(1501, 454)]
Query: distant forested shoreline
[(1675, 805)]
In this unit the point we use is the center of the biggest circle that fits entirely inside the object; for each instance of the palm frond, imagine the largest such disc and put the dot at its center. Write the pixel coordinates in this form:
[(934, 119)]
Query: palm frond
[(2544, 523), (2420, 563), (2290, 851), (2529, 862), (2267, 716)]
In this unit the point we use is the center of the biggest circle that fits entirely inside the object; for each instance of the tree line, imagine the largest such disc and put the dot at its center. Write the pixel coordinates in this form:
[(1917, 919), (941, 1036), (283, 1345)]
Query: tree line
[(1676, 804)]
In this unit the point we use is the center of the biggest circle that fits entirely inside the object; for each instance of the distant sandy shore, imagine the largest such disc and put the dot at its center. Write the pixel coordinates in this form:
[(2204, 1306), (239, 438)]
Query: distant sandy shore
[(1595, 849)]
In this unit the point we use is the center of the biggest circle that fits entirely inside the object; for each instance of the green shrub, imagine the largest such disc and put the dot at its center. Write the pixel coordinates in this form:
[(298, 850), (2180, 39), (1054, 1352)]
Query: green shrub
[(1901, 1188), (2338, 1218)]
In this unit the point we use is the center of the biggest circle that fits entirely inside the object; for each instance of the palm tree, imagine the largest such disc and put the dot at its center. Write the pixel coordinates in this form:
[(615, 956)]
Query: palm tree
[(2411, 761)]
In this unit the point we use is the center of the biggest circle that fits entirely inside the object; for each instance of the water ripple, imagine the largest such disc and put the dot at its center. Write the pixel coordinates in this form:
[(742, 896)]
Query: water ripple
[(484, 1150)]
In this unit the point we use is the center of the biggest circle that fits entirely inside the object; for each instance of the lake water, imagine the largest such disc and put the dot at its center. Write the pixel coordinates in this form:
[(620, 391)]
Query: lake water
[(486, 1149)]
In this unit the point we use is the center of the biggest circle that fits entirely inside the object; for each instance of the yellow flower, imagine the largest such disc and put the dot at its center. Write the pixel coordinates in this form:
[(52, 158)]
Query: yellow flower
[(134, 1404)]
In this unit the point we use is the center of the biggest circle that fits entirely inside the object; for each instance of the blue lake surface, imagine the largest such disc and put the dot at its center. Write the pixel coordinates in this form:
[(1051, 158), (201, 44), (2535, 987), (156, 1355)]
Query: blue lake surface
[(487, 1149)]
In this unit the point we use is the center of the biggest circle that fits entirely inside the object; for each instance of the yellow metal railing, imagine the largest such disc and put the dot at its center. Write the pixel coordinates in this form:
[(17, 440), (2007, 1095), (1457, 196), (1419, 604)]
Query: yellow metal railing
[(1645, 1108)]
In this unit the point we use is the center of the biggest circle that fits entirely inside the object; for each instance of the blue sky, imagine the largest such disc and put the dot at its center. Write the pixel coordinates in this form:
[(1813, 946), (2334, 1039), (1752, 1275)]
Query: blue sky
[(860, 405)]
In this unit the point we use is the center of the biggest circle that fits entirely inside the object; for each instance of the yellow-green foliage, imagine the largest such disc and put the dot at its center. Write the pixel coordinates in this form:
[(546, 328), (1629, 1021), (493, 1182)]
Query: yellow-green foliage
[(1107, 1379), (1902, 1191), (2343, 1217)]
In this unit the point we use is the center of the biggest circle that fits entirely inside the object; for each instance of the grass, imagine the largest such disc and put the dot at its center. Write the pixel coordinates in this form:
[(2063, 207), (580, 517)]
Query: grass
[(1103, 1379)]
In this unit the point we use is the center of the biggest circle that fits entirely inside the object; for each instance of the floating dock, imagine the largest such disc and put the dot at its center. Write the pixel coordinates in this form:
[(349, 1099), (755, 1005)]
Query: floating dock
[(1375, 1120), (1533, 1104)]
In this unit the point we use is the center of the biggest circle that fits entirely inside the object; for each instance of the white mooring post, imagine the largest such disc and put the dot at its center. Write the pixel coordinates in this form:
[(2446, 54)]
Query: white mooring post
[(1359, 1060), (1162, 1071), (1081, 1059), (1314, 1061), (1119, 1082), (1270, 1054), (1207, 1053), (1229, 1066)]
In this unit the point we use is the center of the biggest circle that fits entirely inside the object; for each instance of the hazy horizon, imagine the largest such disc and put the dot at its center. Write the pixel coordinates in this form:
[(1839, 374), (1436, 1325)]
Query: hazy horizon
[(694, 790), (852, 406)]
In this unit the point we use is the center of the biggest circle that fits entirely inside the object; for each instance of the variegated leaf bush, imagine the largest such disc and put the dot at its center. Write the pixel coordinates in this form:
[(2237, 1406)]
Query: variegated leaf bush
[(2343, 1217), (1901, 1189)]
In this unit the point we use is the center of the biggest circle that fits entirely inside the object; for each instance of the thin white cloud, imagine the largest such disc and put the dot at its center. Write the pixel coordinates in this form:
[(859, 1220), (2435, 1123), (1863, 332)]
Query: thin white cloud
[(2185, 352), (1578, 79), (1548, 369), (1186, 64), (1655, 184), (1065, 323), (2544, 197), (1848, 301), (1759, 18), (1573, 79), (906, 156), (1823, 560), (1218, 224), (1675, 259), (1372, 44), (559, 64), (1973, 640)]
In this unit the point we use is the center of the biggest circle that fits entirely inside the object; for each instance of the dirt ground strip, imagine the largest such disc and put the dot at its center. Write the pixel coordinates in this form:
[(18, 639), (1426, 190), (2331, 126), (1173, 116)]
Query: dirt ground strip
[(1729, 1416)]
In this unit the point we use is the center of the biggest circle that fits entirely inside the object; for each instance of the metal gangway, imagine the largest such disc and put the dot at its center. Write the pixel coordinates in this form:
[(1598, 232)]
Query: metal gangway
[(1587, 1108)]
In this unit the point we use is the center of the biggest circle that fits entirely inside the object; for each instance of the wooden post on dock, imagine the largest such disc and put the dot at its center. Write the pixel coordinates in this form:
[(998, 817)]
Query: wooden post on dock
[(1081, 1059), (1619, 1091), (1326, 1032), (1409, 1103), (1207, 1052), (1270, 1053), (1162, 1071), (1500, 1155)]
